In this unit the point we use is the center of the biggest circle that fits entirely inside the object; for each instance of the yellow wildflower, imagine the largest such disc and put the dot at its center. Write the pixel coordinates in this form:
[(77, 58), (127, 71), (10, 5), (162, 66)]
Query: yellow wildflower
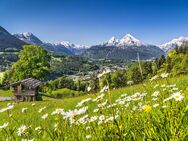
[(147, 108)]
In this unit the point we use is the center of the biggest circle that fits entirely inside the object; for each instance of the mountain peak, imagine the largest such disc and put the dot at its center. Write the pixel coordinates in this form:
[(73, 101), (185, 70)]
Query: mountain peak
[(65, 43), (28, 37), (129, 40), (173, 43), (27, 34), (111, 42)]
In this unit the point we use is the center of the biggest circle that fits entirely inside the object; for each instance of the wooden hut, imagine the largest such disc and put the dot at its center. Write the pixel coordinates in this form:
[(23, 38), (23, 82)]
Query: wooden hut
[(26, 90)]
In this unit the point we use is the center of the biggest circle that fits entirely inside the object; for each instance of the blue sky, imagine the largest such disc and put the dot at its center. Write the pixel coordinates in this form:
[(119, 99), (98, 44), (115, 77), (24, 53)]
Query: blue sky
[(93, 21)]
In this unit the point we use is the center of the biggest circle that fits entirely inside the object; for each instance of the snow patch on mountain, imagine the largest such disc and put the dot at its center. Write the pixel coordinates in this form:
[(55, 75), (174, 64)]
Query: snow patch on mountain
[(127, 40), (28, 37), (173, 43)]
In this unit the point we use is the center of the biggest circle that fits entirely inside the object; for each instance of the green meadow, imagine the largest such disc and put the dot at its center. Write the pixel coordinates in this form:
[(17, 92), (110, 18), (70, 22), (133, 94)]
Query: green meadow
[(153, 110)]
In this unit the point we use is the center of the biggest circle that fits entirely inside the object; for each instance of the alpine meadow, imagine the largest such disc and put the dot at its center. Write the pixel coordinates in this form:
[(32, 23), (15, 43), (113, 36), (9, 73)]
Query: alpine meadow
[(121, 89)]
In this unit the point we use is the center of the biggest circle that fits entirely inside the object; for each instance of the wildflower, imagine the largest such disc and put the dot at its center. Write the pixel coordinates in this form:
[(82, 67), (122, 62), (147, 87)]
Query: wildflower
[(164, 85), (72, 120), (156, 86), (88, 136), (134, 108), (21, 130), (24, 110), (75, 112), (8, 104), (93, 118), (164, 106), (130, 82), (27, 140), (41, 109), (164, 75), (102, 104), (111, 118), (102, 117), (155, 105), (142, 95), (154, 99), (104, 89), (175, 89), (95, 110), (147, 108), (38, 128), (83, 120), (155, 94), (4, 125), (167, 99), (154, 78), (140, 104), (177, 96), (98, 98), (88, 127), (123, 95), (171, 86), (33, 104), (44, 116), (55, 127), (88, 88), (83, 101), (100, 75), (57, 111), (164, 89), (7, 108)]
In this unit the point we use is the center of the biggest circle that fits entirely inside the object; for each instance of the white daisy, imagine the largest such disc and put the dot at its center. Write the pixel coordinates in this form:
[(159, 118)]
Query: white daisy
[(21, 130)]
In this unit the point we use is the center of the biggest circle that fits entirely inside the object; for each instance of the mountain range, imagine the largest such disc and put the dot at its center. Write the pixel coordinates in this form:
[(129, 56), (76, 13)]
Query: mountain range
[(125, 48), (63, 47)]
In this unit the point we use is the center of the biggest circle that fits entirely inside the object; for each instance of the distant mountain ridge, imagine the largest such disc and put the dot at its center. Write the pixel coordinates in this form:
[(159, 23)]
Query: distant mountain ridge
[(125, 48), (63, 47)]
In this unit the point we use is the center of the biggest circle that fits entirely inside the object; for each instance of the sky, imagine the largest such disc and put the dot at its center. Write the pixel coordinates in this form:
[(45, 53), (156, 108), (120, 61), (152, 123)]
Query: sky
[(91, 22)]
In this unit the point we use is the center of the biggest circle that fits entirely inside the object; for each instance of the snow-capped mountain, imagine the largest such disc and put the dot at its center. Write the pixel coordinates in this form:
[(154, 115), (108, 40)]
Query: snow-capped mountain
[(129, 40), (124, 48), (173, 43), (64, 47), (126, 41), (75, 49), (28, 38), (111, 42)]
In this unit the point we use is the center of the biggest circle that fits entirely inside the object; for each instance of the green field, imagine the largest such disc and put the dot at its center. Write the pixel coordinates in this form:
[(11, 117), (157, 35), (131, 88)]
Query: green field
[(135, 116)]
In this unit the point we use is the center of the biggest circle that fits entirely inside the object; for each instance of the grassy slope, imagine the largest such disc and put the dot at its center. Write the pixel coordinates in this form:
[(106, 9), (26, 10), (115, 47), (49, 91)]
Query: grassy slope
[(33, 118), (69, 103)]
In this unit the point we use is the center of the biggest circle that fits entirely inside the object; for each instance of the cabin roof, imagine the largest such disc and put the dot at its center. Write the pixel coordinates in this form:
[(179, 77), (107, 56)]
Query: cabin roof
[(29, 82)]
